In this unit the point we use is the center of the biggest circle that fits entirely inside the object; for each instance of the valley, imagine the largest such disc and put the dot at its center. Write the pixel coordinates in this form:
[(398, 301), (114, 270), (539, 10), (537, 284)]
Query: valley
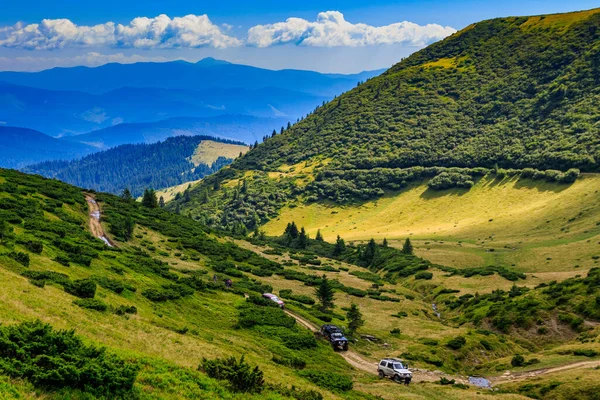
[(217, 230)]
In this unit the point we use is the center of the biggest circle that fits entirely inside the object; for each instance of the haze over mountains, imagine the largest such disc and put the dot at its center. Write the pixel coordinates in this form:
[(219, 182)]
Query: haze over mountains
[(146, 102)]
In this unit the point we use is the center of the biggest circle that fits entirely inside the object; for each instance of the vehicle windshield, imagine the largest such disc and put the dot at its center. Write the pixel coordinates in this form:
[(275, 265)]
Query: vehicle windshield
[(274, 298), (336, 335), (399, 366)]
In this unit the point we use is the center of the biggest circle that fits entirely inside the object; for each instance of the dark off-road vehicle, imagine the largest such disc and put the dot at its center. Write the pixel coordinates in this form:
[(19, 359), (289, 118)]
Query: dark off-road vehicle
[(335, 337)]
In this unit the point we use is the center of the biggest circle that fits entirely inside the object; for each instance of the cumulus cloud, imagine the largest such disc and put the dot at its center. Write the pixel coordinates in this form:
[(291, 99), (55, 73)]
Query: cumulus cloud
[(332, 30), (90, 59), (190, 31)]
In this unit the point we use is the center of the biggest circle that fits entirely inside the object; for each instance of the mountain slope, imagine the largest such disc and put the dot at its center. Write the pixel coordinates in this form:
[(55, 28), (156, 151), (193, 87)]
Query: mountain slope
[(137, 167), (242, 128), (184, 75), (152, 302), (20, 147), (517, 92), (503, 101)]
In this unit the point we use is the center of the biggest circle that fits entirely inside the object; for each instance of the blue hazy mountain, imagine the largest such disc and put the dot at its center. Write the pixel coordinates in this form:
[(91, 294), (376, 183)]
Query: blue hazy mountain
[(20, 147), (205, 74), (243, 128), (64, 113)]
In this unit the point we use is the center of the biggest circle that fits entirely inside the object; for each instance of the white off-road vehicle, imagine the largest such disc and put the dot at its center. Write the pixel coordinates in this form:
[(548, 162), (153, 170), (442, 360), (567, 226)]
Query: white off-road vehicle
[(395, 369)]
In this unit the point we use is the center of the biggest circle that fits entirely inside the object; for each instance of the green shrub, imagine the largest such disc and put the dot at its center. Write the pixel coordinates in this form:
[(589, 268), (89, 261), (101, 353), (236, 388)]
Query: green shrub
[(328, 380), (20, 257), (34, 246), (84, 288), (122, 310), (445, 381), (92, 304), (264, 316), (241, 376), (424, 275), (299, 341), (448, 180), (456, 343), (59, 359), (517, 361), (585, 352)]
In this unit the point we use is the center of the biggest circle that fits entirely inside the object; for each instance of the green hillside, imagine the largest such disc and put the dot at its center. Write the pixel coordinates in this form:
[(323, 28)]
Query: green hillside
[(146, 313), (159, 165), (506, 97)]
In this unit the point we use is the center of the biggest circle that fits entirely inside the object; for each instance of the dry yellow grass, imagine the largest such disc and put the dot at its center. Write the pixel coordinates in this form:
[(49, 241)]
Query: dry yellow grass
[(538, 226), (208, 151)]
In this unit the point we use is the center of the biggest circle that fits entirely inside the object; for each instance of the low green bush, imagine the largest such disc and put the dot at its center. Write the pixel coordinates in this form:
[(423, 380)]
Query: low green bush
[(83, 288), (328, 380), (242, 377), (92, 304), (456, 343), (53, 359)]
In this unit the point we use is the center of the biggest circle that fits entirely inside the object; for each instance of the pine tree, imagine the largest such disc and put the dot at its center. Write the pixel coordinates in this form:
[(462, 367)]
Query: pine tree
[(408, 247), (126, 195), (128, 227), (291, 230), (319, 237), (370, 252), (385, 242), (355, 320), (340, 246), (302, 239), (149, 199), (324, 294), (289, 125), (161, 202)]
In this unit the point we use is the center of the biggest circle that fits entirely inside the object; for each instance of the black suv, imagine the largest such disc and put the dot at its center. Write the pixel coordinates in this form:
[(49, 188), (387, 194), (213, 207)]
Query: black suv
[(335, 337)]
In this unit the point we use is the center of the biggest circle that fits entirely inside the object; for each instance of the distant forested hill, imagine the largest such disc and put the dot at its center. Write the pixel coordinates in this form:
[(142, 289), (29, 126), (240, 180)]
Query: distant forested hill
[(140, 166), (507, 93), (20, 147)]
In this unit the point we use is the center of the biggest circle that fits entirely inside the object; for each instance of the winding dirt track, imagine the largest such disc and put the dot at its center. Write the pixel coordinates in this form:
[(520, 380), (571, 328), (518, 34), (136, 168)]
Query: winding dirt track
[(532, 374), (95, 225), (354, 359)]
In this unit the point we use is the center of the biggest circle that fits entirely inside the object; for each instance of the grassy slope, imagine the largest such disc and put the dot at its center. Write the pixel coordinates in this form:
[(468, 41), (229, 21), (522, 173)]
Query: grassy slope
[(539, 227), (208, 151), (168, 358)]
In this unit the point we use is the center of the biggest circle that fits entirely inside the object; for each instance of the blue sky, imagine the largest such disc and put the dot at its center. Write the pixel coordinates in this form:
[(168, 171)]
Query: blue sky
[(358, 35)]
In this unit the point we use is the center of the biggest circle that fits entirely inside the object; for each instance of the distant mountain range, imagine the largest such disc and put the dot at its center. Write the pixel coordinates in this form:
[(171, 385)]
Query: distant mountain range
[(20, 147), (71, 101), (234, 127), (205, 74), (65, 113)]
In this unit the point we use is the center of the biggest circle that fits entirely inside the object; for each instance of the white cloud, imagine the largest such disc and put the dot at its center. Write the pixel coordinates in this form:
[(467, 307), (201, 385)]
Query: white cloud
[(332, 30), (90, 59), (191, 31)]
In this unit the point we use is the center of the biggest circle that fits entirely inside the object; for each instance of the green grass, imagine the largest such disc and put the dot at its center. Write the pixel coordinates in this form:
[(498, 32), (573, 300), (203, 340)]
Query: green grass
[(541, 228)]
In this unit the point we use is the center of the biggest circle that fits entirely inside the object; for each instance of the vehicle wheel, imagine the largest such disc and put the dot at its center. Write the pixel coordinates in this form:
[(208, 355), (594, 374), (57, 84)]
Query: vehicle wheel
[(345, 347), (407, 382), (397, 379), (381, 374)]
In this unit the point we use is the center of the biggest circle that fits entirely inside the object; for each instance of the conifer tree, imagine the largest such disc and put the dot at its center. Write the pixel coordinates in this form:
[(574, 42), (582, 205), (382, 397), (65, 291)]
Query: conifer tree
[(149, 199), (302, 239), (355, 320), (385, 242), (324, 294), (161, 202), (319, 237), (126, 195), (408, 247), (340, 246)]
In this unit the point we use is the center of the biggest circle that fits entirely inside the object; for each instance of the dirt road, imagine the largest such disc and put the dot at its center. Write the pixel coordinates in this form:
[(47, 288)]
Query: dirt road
[(520, 376), (95, 226)]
